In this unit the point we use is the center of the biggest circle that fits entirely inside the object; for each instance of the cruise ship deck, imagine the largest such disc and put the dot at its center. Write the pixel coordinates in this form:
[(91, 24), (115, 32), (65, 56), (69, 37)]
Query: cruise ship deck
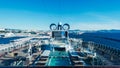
[(57, 49)]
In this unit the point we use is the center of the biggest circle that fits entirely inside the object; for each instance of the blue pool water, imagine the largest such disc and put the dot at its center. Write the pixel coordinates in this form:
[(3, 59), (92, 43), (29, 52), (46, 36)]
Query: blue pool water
[(59, 61), (59, 58)]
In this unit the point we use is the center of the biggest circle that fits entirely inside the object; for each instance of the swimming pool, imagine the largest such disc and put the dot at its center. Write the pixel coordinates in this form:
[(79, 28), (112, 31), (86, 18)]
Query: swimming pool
[(59, 58)]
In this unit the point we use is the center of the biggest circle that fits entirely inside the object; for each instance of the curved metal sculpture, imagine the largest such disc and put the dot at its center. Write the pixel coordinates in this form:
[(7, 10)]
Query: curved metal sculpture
[(66, 26), (59, 26), (53, 26)]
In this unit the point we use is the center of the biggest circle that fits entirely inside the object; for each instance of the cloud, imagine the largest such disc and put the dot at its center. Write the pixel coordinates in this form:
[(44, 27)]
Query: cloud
[(96, 26), (103, 17), (104, 22)]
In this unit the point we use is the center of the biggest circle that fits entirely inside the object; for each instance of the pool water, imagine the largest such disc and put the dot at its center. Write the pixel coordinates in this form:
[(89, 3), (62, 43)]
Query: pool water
[(59, 58)]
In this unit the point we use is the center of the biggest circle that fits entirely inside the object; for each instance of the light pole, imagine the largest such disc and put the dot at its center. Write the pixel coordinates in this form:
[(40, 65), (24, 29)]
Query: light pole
[(30, 53)]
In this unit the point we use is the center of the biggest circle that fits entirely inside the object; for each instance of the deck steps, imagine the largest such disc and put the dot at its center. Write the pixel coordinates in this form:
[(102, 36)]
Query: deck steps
[(42, 62), (76, 61)]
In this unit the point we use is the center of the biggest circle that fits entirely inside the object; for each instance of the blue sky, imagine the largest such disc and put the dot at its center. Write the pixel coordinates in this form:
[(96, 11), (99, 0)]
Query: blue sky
[(80, 14)]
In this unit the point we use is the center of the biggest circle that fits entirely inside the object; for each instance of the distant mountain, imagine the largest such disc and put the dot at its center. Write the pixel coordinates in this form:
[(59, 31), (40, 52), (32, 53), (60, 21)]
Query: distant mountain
[(82, 31), (109, 31), (92, 31)]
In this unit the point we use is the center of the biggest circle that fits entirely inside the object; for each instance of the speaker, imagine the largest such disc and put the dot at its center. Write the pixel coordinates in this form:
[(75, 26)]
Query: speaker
[(52, 34), (66, 34)]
